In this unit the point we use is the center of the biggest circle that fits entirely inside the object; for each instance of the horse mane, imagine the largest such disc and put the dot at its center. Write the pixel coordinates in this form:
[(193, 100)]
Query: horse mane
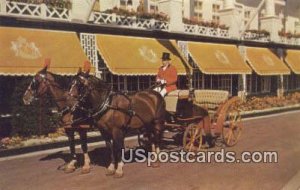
[(98, 83), (63, 81)]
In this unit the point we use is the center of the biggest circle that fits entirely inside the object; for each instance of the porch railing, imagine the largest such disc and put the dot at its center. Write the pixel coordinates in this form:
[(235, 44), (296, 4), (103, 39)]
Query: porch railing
[(35, 11), (42, 11)]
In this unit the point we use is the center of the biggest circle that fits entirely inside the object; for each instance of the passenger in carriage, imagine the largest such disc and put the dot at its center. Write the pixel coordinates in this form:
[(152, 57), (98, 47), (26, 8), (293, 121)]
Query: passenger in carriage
[(166, 76)]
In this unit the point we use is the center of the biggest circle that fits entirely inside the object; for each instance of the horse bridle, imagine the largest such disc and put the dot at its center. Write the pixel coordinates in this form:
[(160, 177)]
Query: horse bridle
[(104, 106), (34, 87)]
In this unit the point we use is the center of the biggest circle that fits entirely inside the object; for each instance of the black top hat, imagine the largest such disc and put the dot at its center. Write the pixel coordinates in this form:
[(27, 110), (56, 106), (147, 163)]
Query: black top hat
[(165, 56)]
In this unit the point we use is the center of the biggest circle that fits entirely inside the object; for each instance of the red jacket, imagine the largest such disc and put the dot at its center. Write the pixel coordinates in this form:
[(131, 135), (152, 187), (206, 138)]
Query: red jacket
[(170, 75)]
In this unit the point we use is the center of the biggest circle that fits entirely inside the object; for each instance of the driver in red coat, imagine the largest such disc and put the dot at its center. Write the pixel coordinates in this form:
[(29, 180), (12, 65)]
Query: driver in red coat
[(167, 76)]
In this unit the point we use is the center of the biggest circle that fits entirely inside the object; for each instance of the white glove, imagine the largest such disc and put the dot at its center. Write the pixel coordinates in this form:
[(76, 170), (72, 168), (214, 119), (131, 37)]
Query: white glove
[(163, 81)]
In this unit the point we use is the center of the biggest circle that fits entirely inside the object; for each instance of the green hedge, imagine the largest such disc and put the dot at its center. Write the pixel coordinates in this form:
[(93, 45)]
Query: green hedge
[(35, 119)]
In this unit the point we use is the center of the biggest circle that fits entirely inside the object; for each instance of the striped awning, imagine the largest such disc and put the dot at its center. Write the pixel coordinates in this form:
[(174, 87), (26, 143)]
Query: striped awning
[(23, 51)]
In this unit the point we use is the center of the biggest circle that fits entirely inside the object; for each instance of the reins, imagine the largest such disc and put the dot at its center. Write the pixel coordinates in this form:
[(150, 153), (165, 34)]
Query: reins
[(105, 106)]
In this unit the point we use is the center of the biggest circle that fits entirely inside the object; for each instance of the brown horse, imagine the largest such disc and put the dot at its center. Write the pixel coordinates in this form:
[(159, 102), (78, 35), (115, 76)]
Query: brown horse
[(44, 83), (114, 113)]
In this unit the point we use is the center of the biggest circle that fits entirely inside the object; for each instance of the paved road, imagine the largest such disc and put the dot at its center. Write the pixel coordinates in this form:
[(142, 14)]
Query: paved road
[(279, 133)]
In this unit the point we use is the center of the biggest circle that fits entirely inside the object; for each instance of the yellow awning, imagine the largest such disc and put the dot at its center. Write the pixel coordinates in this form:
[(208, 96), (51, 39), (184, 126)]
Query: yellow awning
[(136, 56), (293, 60), (218, 58), (23, 51), (264, 62)]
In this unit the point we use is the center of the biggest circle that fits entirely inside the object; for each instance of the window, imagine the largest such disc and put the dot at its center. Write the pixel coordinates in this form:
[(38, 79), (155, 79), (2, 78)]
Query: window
[(136, 83), (132, 83), (249, 84), (216, 8), (247, 14), (218, 82), (197, 79), (225, 83), (291, 82), (182, 82), (198, 5), (297, 85), (153, 9), (198, 16), (118, 82), (122, 4), (216, 19), (265, 84), (144, 82)]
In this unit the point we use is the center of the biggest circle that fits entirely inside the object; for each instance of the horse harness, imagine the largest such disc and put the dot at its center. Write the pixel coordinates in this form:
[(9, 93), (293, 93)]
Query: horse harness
[(103, 108)]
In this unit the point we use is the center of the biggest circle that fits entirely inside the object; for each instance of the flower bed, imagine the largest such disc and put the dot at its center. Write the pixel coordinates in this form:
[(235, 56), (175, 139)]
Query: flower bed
[(18, 141), (142, 15), (205, 24), (288, 35), (267, 102)]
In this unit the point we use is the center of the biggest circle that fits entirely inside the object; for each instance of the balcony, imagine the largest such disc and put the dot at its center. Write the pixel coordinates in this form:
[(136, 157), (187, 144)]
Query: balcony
[(44, 12), (206, 31), (256, 35), (34, 11)]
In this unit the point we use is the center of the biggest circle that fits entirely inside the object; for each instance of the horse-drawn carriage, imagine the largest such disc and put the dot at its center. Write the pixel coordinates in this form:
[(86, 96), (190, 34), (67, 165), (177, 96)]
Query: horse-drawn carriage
[(202, 117)]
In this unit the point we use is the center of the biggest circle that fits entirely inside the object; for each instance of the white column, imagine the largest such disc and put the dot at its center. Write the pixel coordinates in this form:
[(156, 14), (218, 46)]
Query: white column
[(2, 6), (173, 8), (81, 10), (187, 9), (242, 78), (270, 8), (297, 27), (230, 17), (229, 4), (270, 21), (280, 88), (104, 5), (43, 10)]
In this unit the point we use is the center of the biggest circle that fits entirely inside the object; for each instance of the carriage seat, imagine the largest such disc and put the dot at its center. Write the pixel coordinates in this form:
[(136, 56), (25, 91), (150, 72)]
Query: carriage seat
[(210, 99), (172, 98)]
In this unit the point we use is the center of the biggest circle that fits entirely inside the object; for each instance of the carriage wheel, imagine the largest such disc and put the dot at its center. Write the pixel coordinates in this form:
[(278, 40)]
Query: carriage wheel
[(193, 138), (232, 127)]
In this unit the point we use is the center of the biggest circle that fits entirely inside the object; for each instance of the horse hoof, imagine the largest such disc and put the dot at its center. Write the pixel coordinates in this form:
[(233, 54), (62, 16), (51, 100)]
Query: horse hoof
[(110, 172), (155, 165), (69, 170), (118, 175), (85, 170)]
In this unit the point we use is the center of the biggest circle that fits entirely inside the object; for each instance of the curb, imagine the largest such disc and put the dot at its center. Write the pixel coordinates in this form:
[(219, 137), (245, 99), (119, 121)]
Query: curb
[(266, 112), (93, 139)]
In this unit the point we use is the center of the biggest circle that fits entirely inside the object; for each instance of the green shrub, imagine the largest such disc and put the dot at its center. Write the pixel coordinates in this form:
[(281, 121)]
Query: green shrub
[(35, 119)]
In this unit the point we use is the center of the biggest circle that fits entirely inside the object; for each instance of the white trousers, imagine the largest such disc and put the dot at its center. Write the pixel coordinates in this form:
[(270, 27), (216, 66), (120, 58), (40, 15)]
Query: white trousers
[(162, 91)]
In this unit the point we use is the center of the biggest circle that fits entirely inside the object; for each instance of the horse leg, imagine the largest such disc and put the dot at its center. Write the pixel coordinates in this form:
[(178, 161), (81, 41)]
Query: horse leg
[(83, 139), (70, 167), (111, 168), (158, 132), (118, 145)]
